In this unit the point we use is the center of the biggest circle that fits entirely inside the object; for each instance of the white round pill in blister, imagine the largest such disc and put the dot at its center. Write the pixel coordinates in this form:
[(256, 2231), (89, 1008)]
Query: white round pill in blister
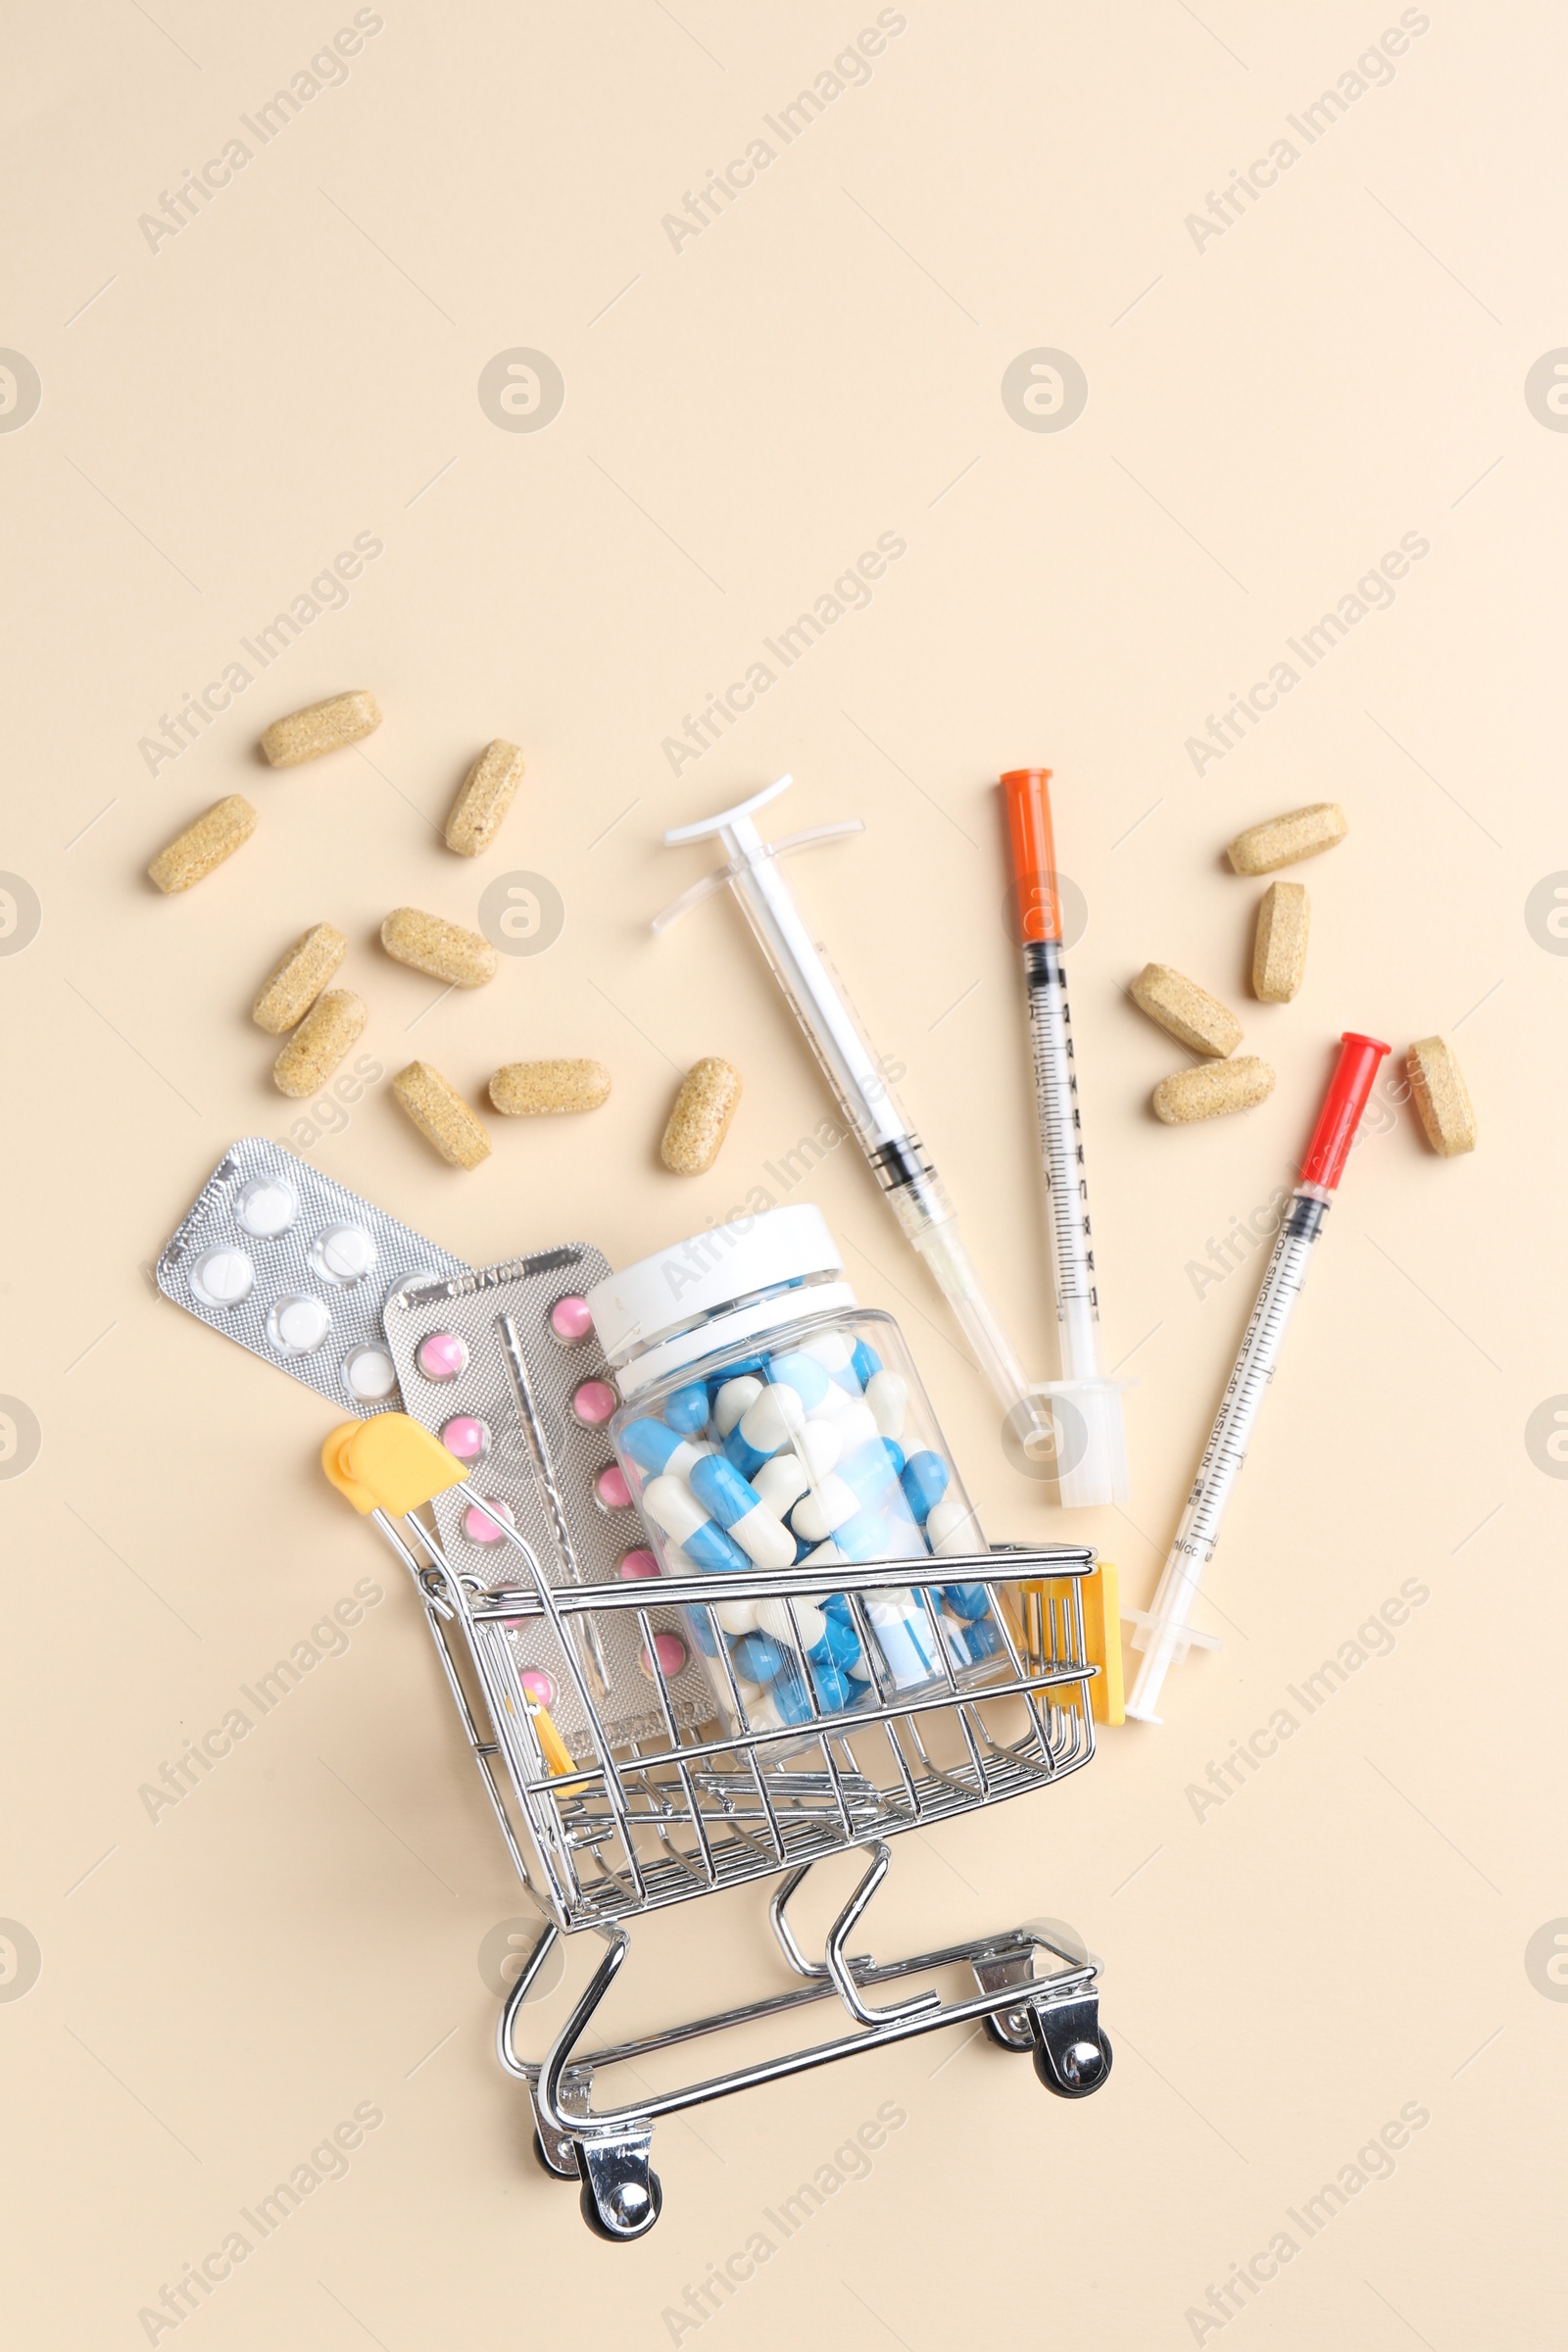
[(370, 1374), (223, 1277), (297, 1324), (266, 1207), (342, 1254)]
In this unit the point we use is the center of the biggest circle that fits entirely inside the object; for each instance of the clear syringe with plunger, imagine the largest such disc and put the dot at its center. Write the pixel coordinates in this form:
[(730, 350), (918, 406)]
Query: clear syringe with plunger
[(854, 1071)]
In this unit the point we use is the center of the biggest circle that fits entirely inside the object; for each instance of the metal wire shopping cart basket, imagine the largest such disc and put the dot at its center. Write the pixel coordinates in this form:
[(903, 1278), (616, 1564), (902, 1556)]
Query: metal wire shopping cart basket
[(632, 1827)]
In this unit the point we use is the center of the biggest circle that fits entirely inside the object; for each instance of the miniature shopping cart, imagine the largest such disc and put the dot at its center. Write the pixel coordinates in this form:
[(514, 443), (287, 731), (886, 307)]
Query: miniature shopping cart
[(627, 1826)]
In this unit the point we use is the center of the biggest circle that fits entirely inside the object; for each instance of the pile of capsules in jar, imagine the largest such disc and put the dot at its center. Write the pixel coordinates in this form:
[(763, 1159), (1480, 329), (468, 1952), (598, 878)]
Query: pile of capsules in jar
[(804, 1455)]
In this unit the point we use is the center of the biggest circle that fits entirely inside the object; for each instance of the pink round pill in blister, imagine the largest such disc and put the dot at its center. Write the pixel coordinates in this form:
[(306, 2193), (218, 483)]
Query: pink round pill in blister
[(639, 1561), (569, 1319), (610, 1491), (594, 1403), (670, 1652), (442, 1355), (467, 1438), (538, 1685), (479, 1522)]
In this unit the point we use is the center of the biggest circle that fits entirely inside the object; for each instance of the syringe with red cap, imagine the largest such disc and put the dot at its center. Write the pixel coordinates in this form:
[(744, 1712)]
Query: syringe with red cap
[(1162, 1632)]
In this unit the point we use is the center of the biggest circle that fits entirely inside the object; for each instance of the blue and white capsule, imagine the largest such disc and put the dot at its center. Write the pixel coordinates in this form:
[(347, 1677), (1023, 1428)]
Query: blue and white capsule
[(800, 1372), (851, 1426), (952, 1530), (674, 1508), (781, 1481), (741, 1511), (866, 1537), (872, 1469), (774, 1418), (888, 1396), (660, 1450), (924, 1478), (687, 1409), (800, 1624), (732, 1399), (836, 1355), (828, 1508)]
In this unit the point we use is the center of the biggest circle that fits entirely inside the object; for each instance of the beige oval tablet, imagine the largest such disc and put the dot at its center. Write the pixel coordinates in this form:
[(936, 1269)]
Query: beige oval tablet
[(203, 846), (428, 943), (441, 1115), (1212, 1090), (298, 978), (488, 791), (319, 1043), (1441, 1096), (1186, 1011), (1279, 950), (526, 1090), (699, 1120), (329, 726), (1286, 840)]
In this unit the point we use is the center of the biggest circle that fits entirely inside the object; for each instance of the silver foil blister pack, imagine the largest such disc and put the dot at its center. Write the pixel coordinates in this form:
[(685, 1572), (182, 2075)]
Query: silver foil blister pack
[(503, 1365), (297, 1269)]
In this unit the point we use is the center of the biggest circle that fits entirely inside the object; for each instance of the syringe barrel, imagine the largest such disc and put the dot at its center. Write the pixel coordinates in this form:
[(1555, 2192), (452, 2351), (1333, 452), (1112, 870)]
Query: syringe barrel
[(1160, 1631), (1061, 1149), (833, 1028), (1192, 1547), (921, 1207), (1160, 1635)]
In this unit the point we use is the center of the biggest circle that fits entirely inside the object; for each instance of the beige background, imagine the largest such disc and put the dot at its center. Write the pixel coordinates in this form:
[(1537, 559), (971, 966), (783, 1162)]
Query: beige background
[(1347, 1932)]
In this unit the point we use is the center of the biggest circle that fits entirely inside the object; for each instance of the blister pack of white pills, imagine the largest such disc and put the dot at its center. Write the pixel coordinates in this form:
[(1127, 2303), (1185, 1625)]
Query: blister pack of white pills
[(504, 1366), (298, 1270)]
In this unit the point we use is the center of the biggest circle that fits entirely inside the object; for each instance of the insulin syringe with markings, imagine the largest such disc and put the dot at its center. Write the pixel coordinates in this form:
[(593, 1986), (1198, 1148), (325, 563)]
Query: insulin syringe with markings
[(1162, 1632), (1090, 1441), (854, 1069)]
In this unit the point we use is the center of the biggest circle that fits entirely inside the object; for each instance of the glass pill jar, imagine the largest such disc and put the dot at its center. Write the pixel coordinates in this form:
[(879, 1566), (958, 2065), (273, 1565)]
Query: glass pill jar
[(770, 1420)]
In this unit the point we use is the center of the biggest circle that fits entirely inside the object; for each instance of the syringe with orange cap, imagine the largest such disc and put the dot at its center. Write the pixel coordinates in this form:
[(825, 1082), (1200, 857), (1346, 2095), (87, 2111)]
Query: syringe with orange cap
[(1091, 1446)]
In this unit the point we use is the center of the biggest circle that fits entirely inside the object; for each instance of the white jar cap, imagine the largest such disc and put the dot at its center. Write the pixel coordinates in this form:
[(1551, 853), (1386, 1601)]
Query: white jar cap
[(709, 1272)]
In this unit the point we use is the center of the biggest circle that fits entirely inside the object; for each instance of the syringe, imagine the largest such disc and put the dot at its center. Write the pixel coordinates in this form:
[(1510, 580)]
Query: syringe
[(1090, 1441), (1162, 1632), (854, 1070)]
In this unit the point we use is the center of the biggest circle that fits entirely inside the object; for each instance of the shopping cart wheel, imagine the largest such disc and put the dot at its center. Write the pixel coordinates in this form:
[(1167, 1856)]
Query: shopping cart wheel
[(1072, 2050), (1008, 2029), (622, 2197), (1084, 2067), (565, 2168)]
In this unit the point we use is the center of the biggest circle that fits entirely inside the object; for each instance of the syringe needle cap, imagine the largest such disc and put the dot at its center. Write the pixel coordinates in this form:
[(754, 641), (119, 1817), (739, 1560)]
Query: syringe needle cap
[(1026, 792), (1343, 1105)]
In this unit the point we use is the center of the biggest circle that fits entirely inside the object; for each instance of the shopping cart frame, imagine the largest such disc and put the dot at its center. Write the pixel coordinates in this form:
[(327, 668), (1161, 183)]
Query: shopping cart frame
[(749, 1809)]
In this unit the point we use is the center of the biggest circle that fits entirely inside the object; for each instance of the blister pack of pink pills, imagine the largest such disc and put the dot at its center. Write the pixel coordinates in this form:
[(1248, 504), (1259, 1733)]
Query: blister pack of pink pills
[(504, 1366), (297, 1269)]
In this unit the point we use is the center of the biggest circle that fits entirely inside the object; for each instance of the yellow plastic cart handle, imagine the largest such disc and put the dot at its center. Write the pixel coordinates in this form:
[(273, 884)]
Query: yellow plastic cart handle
[(1102, 1635), (389, 1464)]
